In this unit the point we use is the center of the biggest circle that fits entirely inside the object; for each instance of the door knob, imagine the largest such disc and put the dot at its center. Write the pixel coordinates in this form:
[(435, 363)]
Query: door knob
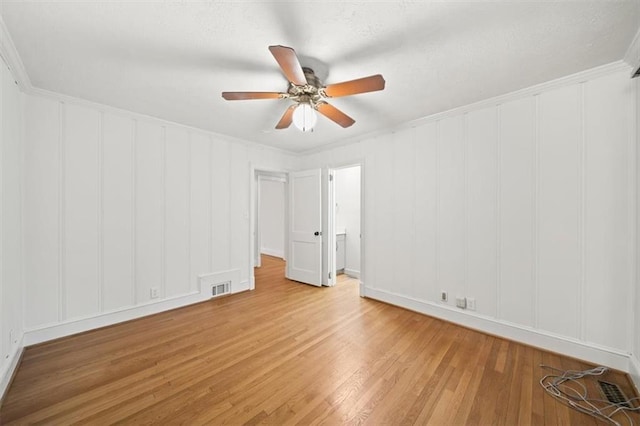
[(316, 233)]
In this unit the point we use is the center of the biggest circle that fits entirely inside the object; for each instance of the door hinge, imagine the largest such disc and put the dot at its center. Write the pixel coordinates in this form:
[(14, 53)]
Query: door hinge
[(329, 275), (330, 178)]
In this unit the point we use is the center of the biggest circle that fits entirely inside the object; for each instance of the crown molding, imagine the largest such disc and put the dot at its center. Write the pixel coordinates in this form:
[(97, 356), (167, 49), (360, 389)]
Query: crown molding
[(12, 58), (632, 56), (575, 78), (71, 100)]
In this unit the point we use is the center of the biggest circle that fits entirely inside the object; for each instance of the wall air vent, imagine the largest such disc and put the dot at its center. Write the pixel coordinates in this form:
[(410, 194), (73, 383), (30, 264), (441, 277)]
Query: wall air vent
[(220, 289)]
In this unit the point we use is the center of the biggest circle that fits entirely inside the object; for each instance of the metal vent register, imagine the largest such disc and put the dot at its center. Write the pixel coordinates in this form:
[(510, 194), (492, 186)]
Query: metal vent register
[(220, 289), (614, 394)]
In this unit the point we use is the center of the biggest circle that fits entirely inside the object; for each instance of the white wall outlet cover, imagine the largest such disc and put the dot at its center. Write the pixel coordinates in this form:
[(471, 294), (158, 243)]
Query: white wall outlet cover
[(471, 303), (461, 302)]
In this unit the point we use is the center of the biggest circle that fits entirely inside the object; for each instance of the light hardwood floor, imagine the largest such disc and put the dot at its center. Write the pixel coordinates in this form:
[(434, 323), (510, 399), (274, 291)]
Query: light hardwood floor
[(287, 353)]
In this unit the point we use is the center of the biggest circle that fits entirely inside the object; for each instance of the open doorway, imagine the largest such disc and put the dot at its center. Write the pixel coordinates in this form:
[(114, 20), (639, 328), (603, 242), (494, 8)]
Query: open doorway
[(269, 207), (346, 221), (339, 232)]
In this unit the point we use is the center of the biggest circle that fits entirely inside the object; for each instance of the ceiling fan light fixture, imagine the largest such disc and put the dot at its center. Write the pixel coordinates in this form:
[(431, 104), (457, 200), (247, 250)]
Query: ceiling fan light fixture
[(304, 117)]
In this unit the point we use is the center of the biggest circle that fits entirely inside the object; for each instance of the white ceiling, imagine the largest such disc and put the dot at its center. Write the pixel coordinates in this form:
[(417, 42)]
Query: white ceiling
[(173, 59)]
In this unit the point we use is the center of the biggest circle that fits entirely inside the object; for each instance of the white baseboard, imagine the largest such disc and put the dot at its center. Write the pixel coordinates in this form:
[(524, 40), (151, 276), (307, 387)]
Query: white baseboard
[(67, 328), (634, 371), (272, 252), (79, 325), (10, 367), (581, 350), (352, 273)]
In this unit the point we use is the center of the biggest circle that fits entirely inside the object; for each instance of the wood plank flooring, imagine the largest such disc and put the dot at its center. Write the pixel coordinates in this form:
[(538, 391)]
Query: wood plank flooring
[(287, 353)]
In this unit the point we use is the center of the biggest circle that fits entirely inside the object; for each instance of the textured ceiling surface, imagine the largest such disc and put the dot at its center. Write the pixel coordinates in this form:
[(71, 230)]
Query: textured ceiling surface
[(173, 59)]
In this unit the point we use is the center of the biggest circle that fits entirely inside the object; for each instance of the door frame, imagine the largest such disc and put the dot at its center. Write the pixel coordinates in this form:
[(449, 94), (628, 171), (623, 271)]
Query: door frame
[(253, 215), (330, 210), (256, 173)]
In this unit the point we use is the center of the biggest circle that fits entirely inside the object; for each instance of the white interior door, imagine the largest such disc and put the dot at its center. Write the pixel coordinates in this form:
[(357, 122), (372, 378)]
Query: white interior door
[(304, 262)]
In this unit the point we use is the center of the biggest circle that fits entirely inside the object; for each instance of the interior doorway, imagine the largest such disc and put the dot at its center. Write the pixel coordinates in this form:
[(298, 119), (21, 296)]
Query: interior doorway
[(346, 186)]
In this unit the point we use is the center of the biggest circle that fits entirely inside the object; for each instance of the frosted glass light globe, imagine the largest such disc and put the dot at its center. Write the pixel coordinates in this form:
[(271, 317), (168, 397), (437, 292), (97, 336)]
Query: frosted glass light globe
[(304, 117)]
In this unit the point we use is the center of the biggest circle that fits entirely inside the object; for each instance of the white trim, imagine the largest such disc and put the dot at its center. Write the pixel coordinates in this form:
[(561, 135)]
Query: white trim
[(272, 252), (10, 367), (352, 273), (69, 327), (634, 372), (12, 58), (632, 55), (35, 91), (570, 347)]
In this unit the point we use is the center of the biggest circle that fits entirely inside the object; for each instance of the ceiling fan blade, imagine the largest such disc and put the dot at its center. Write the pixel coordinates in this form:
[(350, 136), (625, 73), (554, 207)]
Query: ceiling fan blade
[(287, 118), (334, 114), (353, 87), (241, 96), (289, 64)]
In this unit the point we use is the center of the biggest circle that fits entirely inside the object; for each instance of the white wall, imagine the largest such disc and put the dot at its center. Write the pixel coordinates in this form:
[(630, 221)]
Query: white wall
[(11, 283), (272, 216), (117, 204), (525, 203), (347, 183)]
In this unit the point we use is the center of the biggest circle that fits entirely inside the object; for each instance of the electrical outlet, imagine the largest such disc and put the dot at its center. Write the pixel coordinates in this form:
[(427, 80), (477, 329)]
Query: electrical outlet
[(154, 292), (461, 302), (471, 303), (444, 296)]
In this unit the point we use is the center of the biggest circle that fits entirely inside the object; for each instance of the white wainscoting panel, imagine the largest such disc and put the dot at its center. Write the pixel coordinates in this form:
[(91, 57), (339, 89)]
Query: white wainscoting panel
[(11, 229), (527, 205), (176, 220), (559, 210), (426, 285), (42, 217), (482, 209), (452, 217), (118, 204), (118, 278), (82, 179), (517, 298), (402, 208), (149, 205)]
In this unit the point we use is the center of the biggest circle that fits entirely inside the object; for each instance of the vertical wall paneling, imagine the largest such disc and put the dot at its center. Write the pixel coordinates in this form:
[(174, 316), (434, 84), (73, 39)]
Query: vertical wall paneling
[(100, 228), (402, 210), (606, 256), (199, 207), (559, 211), (452, 215), (383, 237), (163, 217), (177, 214), (134, 244), (11, 229), (149, 209), (582, 154), (221, 194), (118, 212), (62, 296), (41, 211), (536, 215), (517, 211), (81, 144), (211, 203), (240, 211), (481, 201), (5, 344), (424, 250)]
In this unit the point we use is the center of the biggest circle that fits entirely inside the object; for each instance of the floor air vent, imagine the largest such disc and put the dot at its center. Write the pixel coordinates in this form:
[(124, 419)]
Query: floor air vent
[(614, 394), (220, 289)]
